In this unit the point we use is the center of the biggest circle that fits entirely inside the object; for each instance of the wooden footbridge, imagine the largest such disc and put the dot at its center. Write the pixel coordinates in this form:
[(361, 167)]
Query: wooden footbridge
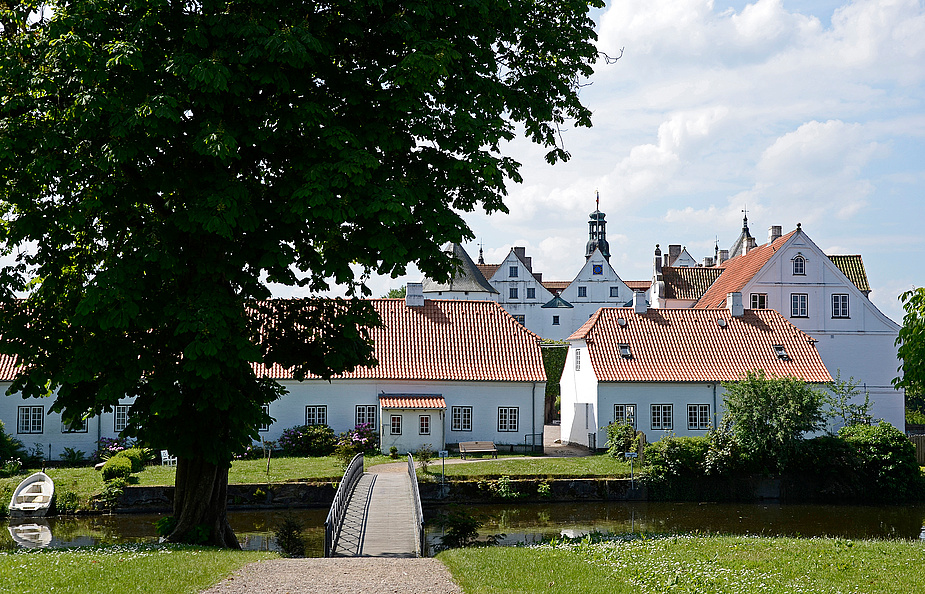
[(375, 515)]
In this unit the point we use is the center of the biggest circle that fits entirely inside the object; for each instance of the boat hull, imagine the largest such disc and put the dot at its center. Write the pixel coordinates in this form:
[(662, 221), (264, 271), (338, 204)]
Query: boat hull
[(33, 497)]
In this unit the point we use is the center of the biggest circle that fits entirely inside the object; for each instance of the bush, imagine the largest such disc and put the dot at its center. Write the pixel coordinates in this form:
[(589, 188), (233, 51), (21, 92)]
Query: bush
[(885, 460), (424, 456), (678, 457), (621, 438), (117, 467), (308, 440), (10, 447), (73, 457), (107, 447), (362, 439), (137, 456)]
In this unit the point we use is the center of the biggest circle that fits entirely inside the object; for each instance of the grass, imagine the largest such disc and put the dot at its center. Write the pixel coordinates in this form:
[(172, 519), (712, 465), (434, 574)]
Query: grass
[(120, 568), (537, 467), (688, 564), (87, 482)]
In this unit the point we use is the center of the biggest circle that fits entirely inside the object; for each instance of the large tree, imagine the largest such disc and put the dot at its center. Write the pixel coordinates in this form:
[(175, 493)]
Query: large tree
[(162, 161), (911, 343)]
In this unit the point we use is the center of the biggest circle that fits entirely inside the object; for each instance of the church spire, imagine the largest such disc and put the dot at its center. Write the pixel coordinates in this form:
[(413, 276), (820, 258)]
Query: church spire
[(481, 255), (597, 232)]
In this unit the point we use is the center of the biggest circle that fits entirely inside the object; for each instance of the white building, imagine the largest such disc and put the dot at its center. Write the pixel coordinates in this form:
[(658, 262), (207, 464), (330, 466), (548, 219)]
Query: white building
[(662, 369)]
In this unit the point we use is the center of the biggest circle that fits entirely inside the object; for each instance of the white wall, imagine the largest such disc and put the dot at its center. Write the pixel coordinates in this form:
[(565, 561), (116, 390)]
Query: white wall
[(410, 439), (578, 393)]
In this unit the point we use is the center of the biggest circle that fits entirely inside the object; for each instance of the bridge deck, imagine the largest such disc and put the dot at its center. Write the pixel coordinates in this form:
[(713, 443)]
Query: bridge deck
[(380, 519)]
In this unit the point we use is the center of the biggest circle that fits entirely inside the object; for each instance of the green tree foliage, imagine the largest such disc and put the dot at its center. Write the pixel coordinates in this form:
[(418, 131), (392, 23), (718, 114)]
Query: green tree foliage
[(844, 404), (769, 415), (884, 463), (162, 161), (554, 354), (396, 293), (911, 343)]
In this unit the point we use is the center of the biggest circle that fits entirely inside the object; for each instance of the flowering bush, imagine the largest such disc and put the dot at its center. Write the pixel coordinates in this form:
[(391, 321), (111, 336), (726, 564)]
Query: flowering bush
[(308, 440), (107, 447), (362, 439)]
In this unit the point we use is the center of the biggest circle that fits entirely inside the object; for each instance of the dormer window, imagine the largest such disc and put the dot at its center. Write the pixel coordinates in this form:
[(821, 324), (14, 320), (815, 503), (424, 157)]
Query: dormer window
[(799, 266), (781, 352), (512, 272), (625, 351)]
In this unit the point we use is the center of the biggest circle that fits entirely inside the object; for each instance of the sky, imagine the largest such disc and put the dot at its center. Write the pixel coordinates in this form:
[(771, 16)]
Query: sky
[(808, 112)]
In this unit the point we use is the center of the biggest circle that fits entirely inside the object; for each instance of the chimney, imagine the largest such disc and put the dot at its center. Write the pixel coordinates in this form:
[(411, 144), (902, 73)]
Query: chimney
[(723, 256), (414, 295), (708, 262), (774, 233), (673, 252), (750, 244), (734, 304), (658, 259), (639, 302)]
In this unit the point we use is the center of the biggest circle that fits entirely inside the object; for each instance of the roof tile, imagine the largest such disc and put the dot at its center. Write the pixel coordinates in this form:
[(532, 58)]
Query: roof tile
[(688, 282), (411, 401)]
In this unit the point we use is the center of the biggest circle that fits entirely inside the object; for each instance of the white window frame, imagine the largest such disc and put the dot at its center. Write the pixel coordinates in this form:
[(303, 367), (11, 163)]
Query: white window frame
[(119, 417), (799, 305), (624, 413), (577, 359), (461, 418), (424, 425), (365, 415), (30, 420), (512, 293), (508, 419), (513, 272), (395, 425), (799, 266), (614, 292), (531, 292), (317, 414), (759, 301), (699, 417), (81, 425), (266, 410), (583, 292), (662, 417), (840, 306)]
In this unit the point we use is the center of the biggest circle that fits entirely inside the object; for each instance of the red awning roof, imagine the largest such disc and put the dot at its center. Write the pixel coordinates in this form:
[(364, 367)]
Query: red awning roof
[(411, 401)]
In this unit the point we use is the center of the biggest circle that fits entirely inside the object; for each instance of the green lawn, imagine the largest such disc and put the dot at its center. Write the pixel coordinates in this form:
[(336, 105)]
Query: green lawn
[(536, 467), (126, 569), (689, 564)]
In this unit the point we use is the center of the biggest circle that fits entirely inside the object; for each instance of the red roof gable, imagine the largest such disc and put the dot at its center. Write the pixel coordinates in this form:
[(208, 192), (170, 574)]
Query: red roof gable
[(446, 340), (690, 345), (738, 271)]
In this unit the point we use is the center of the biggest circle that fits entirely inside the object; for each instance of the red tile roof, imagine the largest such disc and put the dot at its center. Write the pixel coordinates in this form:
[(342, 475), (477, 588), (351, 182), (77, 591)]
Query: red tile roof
[(688, 283), (488, 270), (7, 368), (738, 271), (556, 287), (639, 285), (447, 340), (689, 345), (411, 401)]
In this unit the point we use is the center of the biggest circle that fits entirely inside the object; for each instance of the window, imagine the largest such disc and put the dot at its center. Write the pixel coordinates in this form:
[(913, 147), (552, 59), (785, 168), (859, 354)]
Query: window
[(662, 417), (582, 291), (614, 292), (266, 411), (424, 425), (555, 320), (461, 418), (597, 269), (799, 305), (624, 414), (120, 416), (577, 359), (799, 266), (531, 293), (366, 415), (507, 418), (520, 319), (395, 425), (840, 306), (512, 272), (78, 426), (30, 419), (781, 352), (625, 351), (759, 301), (698, 417), (316, 415), (512, 292)]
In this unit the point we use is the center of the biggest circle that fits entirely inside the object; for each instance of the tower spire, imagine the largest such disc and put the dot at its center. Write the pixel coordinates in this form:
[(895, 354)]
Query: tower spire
[(597, 232)]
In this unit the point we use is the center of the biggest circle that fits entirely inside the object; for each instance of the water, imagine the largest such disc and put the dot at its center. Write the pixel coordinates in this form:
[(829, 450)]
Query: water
[(525, 522)]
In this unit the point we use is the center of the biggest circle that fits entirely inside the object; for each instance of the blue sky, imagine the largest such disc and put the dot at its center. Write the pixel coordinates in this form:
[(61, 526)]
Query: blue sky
[(803, 112)]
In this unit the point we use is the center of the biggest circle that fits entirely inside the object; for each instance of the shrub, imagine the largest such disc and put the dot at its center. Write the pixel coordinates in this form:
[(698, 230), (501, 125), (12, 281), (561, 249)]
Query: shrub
[(362, 439), (885, 460), (107, 447), (289, 538), (137, 456), (308, 440), (621, 438), (117, 467), (10, 447), (72, 457), (393, 453), (66, 502), (424, 456), (724, 456), (112, 491), (676, 457)]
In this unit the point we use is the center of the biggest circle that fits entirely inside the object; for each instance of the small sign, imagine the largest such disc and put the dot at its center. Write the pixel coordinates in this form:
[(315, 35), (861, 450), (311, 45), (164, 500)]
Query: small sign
[(443, 454), (631, 455)]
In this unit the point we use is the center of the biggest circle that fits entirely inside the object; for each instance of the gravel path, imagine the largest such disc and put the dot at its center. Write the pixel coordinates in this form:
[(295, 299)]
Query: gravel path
[(340, 575)]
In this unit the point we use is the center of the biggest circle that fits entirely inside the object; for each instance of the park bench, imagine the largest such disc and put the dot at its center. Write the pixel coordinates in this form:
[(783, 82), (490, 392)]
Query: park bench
[(467, 448)]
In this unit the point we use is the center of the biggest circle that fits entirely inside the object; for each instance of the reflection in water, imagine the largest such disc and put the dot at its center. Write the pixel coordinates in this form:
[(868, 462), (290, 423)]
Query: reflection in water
[(524, 522)]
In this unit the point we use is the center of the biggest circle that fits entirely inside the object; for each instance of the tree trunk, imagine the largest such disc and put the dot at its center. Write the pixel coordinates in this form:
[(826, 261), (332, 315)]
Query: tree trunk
[(200, 505)]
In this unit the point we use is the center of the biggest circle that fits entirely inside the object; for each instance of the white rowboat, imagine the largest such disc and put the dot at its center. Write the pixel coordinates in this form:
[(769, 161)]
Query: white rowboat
[(32, 497)]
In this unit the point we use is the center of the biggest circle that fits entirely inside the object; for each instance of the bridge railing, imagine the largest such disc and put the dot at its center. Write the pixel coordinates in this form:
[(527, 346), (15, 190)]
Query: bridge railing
[(419, 513), (341, 498)]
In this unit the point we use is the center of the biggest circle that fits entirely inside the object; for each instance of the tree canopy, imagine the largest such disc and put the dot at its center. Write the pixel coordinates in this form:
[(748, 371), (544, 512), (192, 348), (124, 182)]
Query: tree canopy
[(911, 343), (162, 161)]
